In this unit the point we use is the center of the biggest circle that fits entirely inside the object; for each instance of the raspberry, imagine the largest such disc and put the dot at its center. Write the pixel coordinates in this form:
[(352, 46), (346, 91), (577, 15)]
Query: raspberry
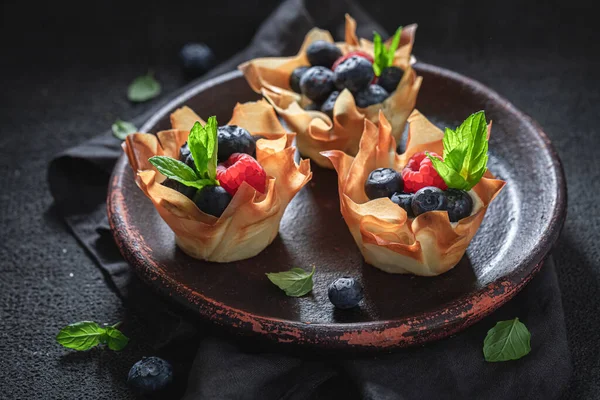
[(419, 173), (240, 168), (347, 56)]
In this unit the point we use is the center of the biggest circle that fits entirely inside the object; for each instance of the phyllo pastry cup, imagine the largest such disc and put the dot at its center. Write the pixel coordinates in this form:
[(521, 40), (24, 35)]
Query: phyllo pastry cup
[(251, 220), (316, 131), (427, 245)]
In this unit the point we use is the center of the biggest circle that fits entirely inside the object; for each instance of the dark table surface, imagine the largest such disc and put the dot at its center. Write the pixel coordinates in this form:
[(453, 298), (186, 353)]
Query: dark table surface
[(64, 72)]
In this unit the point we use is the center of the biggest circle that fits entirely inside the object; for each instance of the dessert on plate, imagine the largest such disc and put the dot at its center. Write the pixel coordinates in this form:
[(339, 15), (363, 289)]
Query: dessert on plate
[(221, 189), (416, 212), (326, 91)]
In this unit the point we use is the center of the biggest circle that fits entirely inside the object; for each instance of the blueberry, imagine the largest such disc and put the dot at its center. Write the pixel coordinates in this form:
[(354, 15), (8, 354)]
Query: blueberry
[(383, 182), (354, 73), (295, 78), (212, 200), (186, 156), (322, 53), (460, 204), (187, 191), (404, 200), (196, 59), (390, 78), (317, 83), (428, 198), (150, 374), (312, 107), (234, 139), (327, 106), (373, 94), (345, 292)]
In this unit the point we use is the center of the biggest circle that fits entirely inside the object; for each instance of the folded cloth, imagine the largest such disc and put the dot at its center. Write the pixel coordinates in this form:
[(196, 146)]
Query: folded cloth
[(227, 369)]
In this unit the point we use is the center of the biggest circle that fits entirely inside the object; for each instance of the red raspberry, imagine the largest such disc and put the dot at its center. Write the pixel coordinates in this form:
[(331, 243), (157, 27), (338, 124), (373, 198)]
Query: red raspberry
[(239, 168), (419, 173), (352, 53)]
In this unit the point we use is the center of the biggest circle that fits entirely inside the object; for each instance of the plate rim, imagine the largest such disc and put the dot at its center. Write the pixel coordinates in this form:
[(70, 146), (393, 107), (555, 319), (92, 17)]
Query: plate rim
[(378, 335)]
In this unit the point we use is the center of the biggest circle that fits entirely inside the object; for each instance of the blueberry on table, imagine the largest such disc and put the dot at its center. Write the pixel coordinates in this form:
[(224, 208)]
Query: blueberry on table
[(150, 374), (196, 59), (429, 198), (345, 293), (460, 204), (373, 94), (322, 53), (404, 200), (234, 139), (212, 200), (295, 78), (327, 106), (390, 78), (383, 182), (317, 83), (354, 73), (187, 191)]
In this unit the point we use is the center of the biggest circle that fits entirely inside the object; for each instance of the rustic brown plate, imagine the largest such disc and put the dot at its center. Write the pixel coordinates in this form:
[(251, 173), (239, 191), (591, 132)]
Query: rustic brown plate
[(516, 235)]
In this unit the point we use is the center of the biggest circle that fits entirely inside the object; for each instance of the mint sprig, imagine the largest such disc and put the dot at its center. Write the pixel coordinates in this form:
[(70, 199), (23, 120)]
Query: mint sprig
[(507, 340), (465, 153), (203, 145), (87, 334), (383, 56), (295, 282)]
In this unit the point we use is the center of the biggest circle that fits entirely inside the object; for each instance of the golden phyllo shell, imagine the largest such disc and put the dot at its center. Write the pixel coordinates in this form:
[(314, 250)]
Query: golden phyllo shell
[(251, 220), (316, 131), (427, 245)]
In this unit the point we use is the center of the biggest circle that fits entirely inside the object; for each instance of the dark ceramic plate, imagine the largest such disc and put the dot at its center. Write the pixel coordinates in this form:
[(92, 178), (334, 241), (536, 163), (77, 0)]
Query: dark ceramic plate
[(516, 235)]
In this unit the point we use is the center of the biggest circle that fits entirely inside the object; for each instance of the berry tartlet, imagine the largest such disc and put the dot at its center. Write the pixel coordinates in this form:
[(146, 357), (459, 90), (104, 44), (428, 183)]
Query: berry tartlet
[(325, 92), (416, 213), (222, 190)]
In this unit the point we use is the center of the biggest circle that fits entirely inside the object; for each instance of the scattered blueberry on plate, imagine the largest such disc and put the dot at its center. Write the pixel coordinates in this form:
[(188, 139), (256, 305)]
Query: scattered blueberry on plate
[(345, 293), (150, 374)]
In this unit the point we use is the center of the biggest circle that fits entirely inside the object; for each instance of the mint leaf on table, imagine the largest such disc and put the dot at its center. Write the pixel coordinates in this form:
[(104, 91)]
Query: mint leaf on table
[(383, 56), (87, 334), (121, 129), (295, 282), (143, 88), (465, 153), (203, 145), (508, 340)]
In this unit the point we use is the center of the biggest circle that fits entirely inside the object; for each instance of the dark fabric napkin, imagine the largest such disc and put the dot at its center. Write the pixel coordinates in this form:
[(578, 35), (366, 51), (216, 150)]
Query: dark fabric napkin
[(226, 368)]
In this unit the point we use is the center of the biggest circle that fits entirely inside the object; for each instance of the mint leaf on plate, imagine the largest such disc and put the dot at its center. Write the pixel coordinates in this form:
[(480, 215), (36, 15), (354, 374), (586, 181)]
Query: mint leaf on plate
[(295, 282), (465, 153), (143, 88), (508, 340), (121, 129), (87, 334)]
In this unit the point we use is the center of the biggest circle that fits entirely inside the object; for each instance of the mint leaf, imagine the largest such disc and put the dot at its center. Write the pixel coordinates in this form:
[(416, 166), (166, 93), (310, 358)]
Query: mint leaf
[(179, 171), (115, 339), (383, 56), (121, 129), (203, 146), (508, 340), (465, 153), (143, 88), (295, 282), (80, 335)]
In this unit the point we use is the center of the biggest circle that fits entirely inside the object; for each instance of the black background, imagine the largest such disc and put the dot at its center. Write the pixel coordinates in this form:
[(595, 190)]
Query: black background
[(64, 70)]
